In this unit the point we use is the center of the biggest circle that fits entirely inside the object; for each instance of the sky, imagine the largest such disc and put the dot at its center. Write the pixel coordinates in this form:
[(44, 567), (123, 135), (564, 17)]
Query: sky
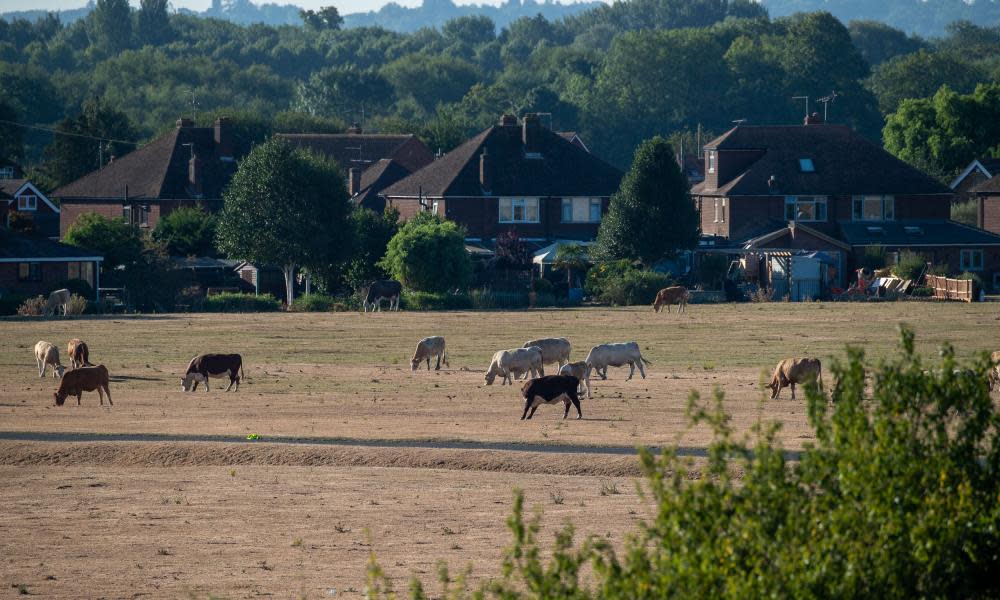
[(344, 6)]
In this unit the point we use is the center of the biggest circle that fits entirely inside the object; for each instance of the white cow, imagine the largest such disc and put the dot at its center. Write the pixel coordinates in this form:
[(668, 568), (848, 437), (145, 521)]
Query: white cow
[(57, 299), (48, 354), (554, 350), (616, 355), (427, 348), (580, 371), (513, 362)]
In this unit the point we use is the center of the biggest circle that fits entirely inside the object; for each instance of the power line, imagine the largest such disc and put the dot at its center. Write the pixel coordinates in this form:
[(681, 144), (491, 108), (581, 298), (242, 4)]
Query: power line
[(69, 133)]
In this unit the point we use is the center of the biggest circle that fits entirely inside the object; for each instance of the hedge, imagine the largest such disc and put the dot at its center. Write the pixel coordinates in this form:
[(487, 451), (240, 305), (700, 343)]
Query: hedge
[(229, 302)]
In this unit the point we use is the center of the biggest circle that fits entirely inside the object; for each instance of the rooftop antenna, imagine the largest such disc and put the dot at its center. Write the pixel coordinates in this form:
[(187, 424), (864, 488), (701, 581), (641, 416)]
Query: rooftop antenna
[(740, 121), (827, 100), (806, 98)]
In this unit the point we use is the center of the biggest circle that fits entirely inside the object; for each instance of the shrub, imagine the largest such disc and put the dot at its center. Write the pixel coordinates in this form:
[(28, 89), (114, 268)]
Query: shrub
[(965, 212), (435, 301), (910, 265), (712, 270), (922, 292), (898, 497), (543, 286), (313, 303), (428, 254), (229, 302), (872, 259), (77, 305), (9, 303), (187, 231), (621, 284), (32, 307)]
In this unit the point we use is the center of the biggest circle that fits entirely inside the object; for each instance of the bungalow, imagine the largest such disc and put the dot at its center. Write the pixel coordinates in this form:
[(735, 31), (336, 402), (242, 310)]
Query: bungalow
[(36, 265), (187, 166), (782, 190), (519, 176)]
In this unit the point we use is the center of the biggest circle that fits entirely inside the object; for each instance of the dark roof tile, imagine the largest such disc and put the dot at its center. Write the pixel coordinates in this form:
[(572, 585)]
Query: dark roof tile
[(364, 149), (17, 246), (916, 233)]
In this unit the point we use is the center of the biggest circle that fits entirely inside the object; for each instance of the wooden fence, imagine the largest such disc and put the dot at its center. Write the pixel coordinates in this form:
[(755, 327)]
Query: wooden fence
[(950, 289)]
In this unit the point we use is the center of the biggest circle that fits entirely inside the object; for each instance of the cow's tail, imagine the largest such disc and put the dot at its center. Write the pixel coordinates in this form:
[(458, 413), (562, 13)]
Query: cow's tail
[(643, 359)]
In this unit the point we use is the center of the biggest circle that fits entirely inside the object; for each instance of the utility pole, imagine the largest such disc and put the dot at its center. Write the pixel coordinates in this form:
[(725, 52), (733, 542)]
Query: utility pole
[(806, 98)]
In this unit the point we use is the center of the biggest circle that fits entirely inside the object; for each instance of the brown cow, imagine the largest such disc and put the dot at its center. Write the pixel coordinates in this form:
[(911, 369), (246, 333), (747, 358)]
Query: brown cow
[(84, 379), (795, 370), (994, 375), (672, 295), (549, 389), (79, 353)]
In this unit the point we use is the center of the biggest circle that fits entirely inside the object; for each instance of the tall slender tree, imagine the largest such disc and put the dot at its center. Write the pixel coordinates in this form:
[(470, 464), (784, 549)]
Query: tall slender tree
[(111, 25), (152, 23)]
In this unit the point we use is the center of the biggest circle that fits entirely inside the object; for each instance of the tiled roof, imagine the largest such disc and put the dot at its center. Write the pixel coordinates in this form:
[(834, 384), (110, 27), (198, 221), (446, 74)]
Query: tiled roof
[(10, 186), (159, 170), (19, 247), (364, 149), (845, 163), (916, 233), (990, 186), (561, 168), (377, 177)]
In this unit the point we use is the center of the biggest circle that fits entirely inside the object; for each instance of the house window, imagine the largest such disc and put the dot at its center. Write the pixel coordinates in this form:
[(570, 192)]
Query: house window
[(805, 208), (27, 202), (581, 210), (720, 210), (971, 260), (519, 210), (143, 216), (29, 271), (6, 172), (127, 214), (711, 161), (434, 208), (806, 165), (874, 208)]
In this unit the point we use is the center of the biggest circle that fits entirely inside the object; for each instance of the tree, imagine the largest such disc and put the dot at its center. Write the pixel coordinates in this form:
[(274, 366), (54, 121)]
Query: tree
[(187, 231), (121, 244), (430, 79), (569, 258), (152, 23), (372, 232), (285, 207), (326, 18), (428, 255), (111, 25), (11, 138), (71, 156), (878, 42), (919, 75), (651, 215)]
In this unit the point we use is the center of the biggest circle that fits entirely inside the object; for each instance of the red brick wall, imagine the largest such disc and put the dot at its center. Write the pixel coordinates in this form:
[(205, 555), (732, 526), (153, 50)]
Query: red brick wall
[(990, 213), (71, 212), (52, 273)]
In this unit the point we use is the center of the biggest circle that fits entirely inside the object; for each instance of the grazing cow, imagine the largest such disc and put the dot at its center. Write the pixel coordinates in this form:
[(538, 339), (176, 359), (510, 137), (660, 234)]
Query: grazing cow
[(549, 390), (215, 365), (616, 355), (426, 348), (57, 299), (84, 379), (513, 362), (793, 371), (580, 371), (384, 289), (47, 354), (554, 350), (672, 295), (994, 375), (79, 353)]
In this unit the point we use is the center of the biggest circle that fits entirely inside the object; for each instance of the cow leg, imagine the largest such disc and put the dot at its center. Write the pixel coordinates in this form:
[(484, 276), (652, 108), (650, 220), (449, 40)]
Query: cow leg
[(576, 402), (41, 369), (566, 406), (631, 371), (100, 394), (78, 398), (532, 413), (232, 380), (206, 384), (641, 370), (238, 378), (437, 367), (793, 390), (107, 391)]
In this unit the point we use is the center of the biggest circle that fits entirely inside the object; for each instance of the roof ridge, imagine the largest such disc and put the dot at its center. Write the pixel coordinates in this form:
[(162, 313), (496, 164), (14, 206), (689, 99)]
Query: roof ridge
[(479, 141)]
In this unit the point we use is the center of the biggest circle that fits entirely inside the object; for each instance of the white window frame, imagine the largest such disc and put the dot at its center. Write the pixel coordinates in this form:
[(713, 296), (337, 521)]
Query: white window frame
[(23, 203), (720, 210), (7, 172), (815, 201), (712, 159), (965, 259), (591, 203), (518, 202), (434, 207), (888, 210)]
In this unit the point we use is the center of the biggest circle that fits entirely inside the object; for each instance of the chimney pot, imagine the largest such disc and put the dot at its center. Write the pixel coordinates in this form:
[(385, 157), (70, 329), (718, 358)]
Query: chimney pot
[(531, 132), (354, 129), (354, 181), (508, 120), (814, 119), (184, 122), (224, 138)]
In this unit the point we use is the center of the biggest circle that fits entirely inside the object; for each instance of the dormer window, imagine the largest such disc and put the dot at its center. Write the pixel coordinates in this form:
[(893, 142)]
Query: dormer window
[(27, 202), (711, 161), (806, 165)]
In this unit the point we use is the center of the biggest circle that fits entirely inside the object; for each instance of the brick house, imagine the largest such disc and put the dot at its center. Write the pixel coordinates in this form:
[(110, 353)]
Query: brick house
[(514, 175), (25, 207), (823, 187), (371, 161), (31, 264), (977, 173), (187, 166)]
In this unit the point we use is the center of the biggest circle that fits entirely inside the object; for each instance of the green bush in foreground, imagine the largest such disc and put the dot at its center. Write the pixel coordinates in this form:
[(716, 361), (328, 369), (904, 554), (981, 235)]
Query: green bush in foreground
[(434, 301), (899, 497), (314, 303), (619, 283), (229, 302)]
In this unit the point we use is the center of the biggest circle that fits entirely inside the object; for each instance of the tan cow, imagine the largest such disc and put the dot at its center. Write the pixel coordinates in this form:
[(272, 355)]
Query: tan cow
[(56, 300), (79, 353), (793, 371), (580, 371), (426, 349), (47, 354), (994, 375), (672, 295), (509, 364), (85, 379)]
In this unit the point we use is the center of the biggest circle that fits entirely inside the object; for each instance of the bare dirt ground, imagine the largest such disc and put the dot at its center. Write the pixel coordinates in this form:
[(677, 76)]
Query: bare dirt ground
[(347, 376)]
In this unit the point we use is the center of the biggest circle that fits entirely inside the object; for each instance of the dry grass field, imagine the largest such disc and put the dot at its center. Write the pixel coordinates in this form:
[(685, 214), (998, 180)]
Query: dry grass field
[(182, 517)]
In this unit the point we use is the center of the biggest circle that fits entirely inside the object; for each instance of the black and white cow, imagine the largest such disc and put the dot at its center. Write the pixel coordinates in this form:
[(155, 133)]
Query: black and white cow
[(215, 365), (550, 389), (389, 289)]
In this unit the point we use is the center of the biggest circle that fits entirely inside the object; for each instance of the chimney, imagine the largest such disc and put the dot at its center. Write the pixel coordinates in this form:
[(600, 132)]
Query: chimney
[(195, 173), (508, 121), (531, 127), (354, 129), (814, 119), (485, 179), (224, 139), (354, 181), (184, 123)]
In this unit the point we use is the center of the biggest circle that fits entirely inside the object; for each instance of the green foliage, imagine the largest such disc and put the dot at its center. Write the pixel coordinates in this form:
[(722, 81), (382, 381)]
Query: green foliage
[(120, 244), (70, 157), (619, 283), (898, 497), (187, 231), (712, 270), (966, 212), (909, 266), (428, 254), (314, 303), (570, 258), (110, 25), (152, 23), (919, 75), (873, 258), (944, 133), (651, 215), (372, 233), (9, 303), (435, 301), (878, 42), (281, 208), (229, 302), (326, 18)]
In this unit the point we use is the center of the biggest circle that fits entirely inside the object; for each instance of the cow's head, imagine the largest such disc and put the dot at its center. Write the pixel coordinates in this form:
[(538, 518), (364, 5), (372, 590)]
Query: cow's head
[(189, 382), (414, 364), (60, 370), (59, 398), (491, 376)]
